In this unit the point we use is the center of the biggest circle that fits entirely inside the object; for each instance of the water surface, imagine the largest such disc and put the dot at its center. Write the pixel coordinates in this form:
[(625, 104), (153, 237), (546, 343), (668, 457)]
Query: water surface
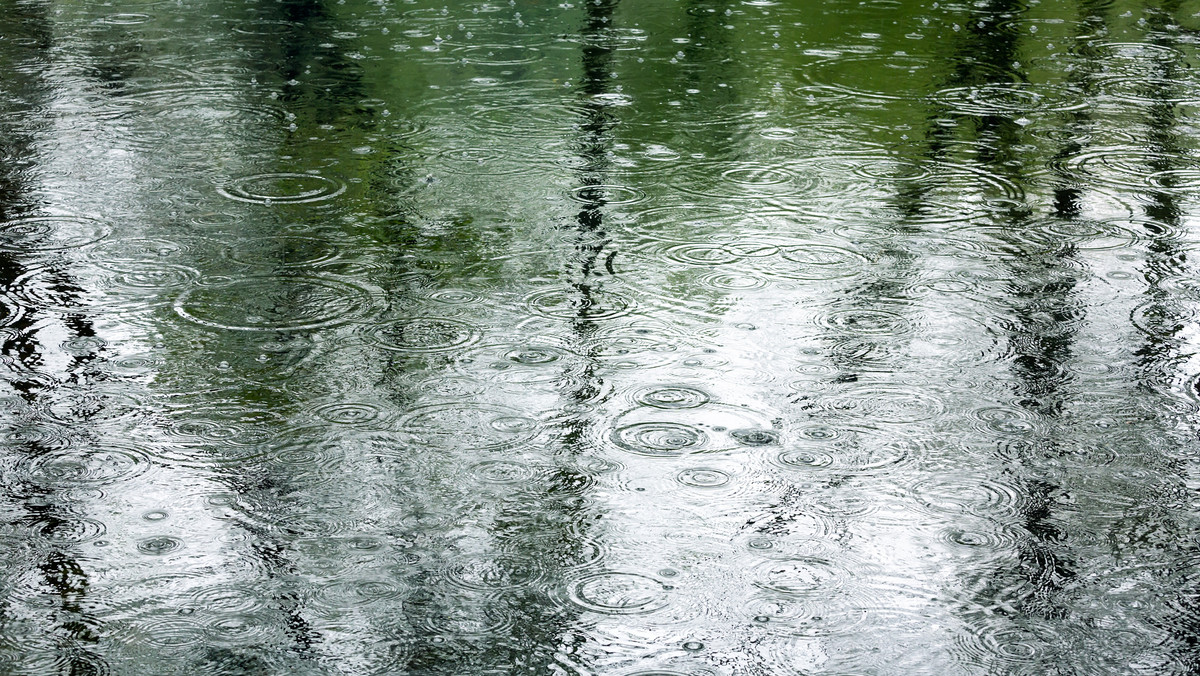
[(699, 337)]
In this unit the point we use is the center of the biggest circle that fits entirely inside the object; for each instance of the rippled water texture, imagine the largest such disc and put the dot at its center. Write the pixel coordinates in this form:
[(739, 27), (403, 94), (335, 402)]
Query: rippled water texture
[(656, 338)]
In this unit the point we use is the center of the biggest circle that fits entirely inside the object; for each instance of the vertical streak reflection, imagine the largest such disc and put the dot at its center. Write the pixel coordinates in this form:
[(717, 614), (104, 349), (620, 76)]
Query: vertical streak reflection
[(49, 513)]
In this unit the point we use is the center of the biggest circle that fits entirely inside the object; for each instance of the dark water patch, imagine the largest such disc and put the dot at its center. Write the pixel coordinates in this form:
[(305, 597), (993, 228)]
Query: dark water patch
[(10, 311)]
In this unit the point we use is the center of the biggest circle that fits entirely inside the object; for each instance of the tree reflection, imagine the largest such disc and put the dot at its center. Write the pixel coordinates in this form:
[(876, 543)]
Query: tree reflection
[(1045, 314), (49, 514), (1160, 523)]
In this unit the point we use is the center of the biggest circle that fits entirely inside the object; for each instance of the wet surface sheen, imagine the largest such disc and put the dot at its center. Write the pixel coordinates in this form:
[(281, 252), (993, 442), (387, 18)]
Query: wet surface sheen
[(688, 337)]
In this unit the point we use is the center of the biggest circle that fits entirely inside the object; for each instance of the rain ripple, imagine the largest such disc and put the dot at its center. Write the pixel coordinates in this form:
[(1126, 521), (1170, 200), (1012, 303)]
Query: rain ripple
[(418, 335), (479, 427), (282, 188), (279, 303), (50, 233), (705, 427), (619, 593), (81, 467)]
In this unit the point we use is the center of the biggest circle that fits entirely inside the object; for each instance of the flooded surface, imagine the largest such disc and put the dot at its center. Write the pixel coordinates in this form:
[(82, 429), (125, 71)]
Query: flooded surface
[(668, 337)]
